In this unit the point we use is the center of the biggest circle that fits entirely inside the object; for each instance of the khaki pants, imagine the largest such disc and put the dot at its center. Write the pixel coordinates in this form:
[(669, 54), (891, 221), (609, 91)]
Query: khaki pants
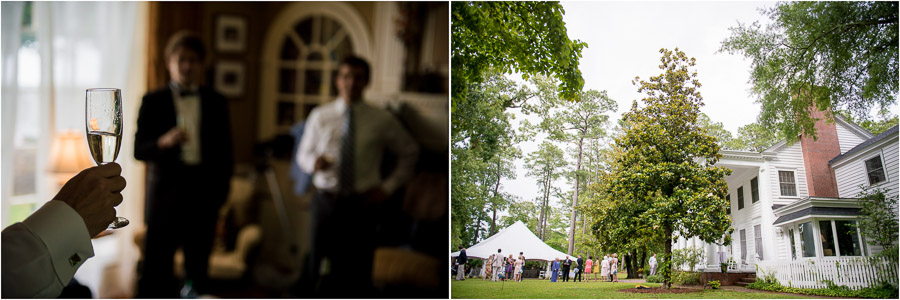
[(460, 272)]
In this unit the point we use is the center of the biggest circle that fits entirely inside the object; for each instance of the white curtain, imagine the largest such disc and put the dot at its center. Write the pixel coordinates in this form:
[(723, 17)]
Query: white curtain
[(88, 45), (11, 37)]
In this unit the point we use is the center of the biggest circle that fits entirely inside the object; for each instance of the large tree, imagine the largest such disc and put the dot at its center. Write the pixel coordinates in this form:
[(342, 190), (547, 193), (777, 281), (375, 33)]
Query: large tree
[(575, 123), (754, 137), (665, 178), (521, 36), (825, 55), (545, 165), (482, 142)]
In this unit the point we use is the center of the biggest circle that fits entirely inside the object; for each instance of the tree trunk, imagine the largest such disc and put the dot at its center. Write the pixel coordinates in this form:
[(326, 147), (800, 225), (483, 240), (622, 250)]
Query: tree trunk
[(643, 259), (667, 257), (496, 191), (543, 221), (575, 201), (493, 222)]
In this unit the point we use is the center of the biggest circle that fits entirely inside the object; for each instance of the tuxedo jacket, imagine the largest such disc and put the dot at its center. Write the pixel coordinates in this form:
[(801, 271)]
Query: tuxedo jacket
[(170, 183)]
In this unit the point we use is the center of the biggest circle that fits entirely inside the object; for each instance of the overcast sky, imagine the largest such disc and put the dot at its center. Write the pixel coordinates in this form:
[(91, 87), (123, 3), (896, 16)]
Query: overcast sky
[(624, 39)]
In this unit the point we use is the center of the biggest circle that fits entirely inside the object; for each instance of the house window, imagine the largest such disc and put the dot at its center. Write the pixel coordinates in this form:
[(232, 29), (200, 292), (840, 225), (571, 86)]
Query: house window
[(787, 183), (757, 235), (754, 189), (847, 238), (740, 192), (309, 59), (25, 171), (728, 197), (793, 245), (743, 246), (807, 240), (827, 236), (875, 170)]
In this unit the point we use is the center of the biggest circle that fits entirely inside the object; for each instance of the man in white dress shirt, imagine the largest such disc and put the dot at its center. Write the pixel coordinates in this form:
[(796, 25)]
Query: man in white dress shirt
[(42, 253), (342, 146)]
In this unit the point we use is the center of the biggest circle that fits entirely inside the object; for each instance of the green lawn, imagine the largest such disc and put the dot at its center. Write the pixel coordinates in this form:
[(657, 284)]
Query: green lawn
[(544, 289)]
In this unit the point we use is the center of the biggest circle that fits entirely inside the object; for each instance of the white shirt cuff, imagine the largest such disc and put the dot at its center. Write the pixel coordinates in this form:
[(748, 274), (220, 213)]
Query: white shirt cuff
[(65, 234)]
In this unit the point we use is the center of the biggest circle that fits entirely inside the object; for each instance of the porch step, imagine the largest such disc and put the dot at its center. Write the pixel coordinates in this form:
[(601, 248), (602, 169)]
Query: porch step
[(743, 284), (747, 280)]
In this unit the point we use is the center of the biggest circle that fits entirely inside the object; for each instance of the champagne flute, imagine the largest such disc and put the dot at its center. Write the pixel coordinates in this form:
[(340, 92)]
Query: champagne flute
[(103, 122)]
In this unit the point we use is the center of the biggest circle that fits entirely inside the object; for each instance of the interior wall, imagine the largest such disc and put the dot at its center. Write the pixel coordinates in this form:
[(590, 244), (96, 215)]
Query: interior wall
[(167, 18)]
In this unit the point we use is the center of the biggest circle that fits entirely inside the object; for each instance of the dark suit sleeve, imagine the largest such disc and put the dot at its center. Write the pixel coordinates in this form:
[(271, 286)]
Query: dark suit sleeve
[(225, 158), (147, 133)]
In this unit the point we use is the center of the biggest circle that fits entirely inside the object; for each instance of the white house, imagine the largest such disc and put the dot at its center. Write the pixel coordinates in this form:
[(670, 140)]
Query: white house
[(793, 206)]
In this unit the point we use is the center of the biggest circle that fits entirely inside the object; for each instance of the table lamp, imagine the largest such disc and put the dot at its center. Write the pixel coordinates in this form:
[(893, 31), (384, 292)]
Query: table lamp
[(69, 155)]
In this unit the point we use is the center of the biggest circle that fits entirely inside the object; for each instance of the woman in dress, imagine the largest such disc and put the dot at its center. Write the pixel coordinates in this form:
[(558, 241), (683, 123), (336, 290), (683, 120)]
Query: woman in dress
[(555, 270), (520, 265), (614, 268), (510, 266), (604, 269), (487, 267), (588, 265), (596, 270)]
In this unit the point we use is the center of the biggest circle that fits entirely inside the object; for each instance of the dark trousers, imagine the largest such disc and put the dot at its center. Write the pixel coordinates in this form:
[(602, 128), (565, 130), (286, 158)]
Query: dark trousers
[(578, 275), (565, 274), (178, 216), (343, 231)]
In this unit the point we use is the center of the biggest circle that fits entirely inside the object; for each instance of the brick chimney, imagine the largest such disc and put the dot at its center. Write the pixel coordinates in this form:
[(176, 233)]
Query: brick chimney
[(817, 153)]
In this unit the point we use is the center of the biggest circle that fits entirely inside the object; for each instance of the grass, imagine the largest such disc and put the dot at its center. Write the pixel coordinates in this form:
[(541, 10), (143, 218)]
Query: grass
[(544, 289)]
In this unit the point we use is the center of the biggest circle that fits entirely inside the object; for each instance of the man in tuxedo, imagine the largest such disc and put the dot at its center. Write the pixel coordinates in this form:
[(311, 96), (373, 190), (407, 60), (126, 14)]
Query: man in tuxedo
[(580, 265), (566, 265), (184, 136)]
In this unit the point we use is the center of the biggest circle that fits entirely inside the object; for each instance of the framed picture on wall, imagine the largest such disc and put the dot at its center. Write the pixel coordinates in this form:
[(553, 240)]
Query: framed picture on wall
[(231, 33), (229, 80)]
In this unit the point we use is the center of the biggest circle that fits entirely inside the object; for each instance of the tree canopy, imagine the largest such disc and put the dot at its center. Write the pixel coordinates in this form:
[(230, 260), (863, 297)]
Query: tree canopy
[(825, 55), (521, 36)]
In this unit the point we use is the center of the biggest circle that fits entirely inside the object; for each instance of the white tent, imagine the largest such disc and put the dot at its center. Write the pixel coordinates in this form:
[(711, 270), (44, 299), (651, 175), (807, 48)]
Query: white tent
[(512, 240)]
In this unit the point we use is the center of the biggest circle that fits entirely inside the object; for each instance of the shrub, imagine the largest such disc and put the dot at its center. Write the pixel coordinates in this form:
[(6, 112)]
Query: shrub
[(686, 278), (655, 278), (714, 284), (883, 290)]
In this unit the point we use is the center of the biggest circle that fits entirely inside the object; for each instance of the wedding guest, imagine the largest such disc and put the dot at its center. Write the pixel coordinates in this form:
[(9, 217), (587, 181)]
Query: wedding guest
[(184, 136), (555, 270)]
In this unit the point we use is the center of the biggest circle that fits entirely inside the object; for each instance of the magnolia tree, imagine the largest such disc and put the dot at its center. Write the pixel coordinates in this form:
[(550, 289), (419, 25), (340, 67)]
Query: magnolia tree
[(664, 183)]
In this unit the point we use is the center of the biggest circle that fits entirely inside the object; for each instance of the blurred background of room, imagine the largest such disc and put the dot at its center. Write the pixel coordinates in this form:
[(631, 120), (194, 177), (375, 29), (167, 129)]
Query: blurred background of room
[(274, 61)]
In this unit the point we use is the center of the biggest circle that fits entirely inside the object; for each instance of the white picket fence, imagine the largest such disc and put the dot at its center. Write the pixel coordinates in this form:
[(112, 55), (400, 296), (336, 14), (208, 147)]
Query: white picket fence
[(854, 272)]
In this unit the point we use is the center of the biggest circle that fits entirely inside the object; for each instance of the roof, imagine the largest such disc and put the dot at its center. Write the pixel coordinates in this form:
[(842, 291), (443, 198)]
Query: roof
[(512, 240), (826, 211), (867, 143)]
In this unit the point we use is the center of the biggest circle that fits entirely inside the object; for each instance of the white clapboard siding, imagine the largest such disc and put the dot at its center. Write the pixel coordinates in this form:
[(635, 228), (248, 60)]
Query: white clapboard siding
[(852, 173), (788, 158), (853, 272), (847, 138)]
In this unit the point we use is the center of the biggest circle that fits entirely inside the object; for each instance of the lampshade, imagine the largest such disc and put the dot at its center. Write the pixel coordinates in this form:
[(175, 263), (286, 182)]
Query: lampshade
[(70, 153)]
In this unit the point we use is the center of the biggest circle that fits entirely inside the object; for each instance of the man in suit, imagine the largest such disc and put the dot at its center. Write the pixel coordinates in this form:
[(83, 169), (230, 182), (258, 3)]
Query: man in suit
[(42, 253), (343, 144), (497, 265), (580, 266), (184, 136), (566, 265)]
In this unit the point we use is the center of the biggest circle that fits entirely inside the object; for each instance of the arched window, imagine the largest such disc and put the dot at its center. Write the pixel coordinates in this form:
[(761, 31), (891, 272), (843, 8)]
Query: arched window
[(300, 57)]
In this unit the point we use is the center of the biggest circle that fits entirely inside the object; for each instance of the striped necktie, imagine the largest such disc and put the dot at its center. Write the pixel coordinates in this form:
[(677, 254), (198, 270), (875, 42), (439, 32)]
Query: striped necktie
[(346, 176)]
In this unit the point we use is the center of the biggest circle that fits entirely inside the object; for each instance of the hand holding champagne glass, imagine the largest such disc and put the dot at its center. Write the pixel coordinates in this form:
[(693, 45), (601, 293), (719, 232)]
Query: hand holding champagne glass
[(103, 123)]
